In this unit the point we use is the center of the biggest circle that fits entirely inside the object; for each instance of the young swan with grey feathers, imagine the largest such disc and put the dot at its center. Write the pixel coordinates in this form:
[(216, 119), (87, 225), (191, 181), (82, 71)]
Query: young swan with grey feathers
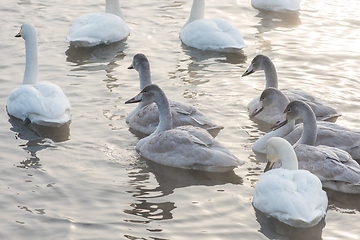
[(185, 147), (293, 196), (145, 117), (269, 115), (335, 167)]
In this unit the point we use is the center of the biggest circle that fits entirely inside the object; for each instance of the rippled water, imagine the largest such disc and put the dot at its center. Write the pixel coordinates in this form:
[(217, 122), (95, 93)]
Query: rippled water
[(92, 184)]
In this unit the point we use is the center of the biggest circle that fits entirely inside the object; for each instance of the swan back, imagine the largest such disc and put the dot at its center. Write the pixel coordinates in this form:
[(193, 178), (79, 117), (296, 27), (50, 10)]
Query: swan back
[(216, 34), (276, 5), (99, 28)]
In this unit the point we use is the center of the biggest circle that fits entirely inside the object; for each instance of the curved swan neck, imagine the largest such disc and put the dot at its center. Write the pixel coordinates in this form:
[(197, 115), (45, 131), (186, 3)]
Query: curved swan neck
[(309, 133), (197, 11), (288, 158), (270, 73), (165, 119), (31, 64), (279, 148), (113, 7)]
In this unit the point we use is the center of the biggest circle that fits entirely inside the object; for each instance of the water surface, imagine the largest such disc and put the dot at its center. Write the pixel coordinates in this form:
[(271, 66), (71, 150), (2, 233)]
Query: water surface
[(92, 183)]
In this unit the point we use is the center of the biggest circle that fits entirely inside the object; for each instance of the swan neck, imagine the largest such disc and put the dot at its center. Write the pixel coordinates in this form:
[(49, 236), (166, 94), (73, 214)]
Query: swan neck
[(113, 7), (145, 77), (165, 119), (309, 134), (270, 74), (31, 64), (197, 11), (288, 158)]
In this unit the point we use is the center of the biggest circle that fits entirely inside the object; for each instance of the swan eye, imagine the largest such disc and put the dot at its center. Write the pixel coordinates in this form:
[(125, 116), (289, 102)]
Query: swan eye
[(289, 110)]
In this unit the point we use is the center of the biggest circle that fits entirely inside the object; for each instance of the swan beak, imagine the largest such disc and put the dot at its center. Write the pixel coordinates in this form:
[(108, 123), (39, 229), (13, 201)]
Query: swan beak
[(269, 164), (131, 66), (280, 122), (135, 99), (19, 34), (257, 110), (249, 71)]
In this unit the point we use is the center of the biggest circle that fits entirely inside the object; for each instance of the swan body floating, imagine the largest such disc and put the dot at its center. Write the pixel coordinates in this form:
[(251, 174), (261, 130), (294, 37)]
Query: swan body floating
[(274, 102), (215, 34), (328, 134), (185, 147), (145, 117), (293, 196), (99, 28), (276, 5), (335, 167), (271, 113), (41, 103)]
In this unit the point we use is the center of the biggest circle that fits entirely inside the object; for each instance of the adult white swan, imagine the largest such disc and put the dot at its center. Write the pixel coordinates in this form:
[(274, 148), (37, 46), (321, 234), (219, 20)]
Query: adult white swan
[(215, 34), (276, 5), (41, 103), (185, 147), (145, 117), (262, 62), (96, 28), (293, 196)]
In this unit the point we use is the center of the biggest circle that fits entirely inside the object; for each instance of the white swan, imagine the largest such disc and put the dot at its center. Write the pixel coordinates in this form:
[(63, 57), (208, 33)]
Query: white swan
[(96, 28), (262, 62), (215, 34), (41, 103), (145, 117), (276, 5), (185, 147), (293, 196)]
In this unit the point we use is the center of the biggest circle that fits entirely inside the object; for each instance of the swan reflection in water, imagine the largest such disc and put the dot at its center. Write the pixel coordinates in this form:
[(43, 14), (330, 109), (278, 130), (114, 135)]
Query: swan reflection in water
[(38, 138), (274, 229), (149, 204), (99, 54)]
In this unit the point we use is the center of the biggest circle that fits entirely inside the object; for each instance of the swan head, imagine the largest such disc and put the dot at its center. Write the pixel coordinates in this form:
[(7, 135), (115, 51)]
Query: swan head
[(269, 97), (26, 30), (279, 148), (294, 110), (256, 64), (151, 93), (139, 61)]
